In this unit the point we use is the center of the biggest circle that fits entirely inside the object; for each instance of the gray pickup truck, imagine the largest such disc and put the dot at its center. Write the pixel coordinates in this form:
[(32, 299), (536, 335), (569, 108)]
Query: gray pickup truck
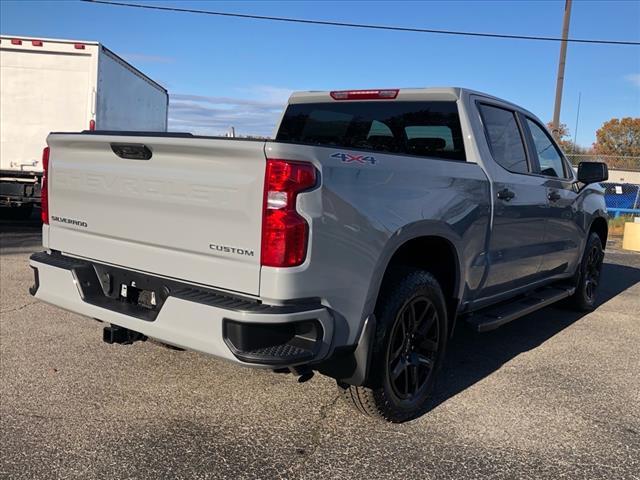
[(350, 245)]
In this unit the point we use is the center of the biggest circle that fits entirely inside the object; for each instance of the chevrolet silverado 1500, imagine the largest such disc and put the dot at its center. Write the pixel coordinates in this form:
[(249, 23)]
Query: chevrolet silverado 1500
[(348, 245)]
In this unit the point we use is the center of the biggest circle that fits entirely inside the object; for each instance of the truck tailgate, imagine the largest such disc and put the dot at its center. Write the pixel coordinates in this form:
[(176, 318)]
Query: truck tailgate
[(191, 212)]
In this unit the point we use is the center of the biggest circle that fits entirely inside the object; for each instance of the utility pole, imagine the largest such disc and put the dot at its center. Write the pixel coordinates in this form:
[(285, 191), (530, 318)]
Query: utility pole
[(560, 81)]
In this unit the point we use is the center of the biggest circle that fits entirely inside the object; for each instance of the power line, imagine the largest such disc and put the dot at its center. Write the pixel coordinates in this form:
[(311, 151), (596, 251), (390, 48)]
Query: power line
[(363, 25)]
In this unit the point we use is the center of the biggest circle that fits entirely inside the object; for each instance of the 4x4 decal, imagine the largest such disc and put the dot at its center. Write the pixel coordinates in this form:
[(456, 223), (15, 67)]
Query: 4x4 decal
[(351, 158)]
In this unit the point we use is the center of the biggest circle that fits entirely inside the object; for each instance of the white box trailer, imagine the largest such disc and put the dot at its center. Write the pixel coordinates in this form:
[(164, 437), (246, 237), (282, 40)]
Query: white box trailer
[(64, 85)]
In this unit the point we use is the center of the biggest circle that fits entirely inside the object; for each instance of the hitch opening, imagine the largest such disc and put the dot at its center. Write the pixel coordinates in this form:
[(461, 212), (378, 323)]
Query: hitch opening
[(124, 336)]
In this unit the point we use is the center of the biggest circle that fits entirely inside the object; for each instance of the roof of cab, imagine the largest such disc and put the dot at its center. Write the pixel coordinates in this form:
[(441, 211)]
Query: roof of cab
[(406, 94), (427, 93), (439, 93)]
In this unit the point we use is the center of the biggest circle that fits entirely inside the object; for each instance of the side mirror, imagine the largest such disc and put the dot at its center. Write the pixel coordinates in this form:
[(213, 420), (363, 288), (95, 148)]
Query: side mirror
[(592, 172)]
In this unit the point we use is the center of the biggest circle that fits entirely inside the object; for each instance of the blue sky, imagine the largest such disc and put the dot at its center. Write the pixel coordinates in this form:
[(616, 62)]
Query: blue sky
[(227, 71)]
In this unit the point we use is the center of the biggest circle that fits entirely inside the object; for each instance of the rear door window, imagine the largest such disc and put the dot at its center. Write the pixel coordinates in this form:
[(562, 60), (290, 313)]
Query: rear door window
[(504, 137), (427, 129)]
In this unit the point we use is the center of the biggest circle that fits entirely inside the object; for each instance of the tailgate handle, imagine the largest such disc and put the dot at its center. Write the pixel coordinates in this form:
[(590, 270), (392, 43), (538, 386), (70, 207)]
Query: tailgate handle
[(131, 151)]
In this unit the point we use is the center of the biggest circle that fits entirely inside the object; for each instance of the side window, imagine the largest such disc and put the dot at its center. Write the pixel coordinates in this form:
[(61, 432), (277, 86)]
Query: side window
[(504, 138), (549, 157)]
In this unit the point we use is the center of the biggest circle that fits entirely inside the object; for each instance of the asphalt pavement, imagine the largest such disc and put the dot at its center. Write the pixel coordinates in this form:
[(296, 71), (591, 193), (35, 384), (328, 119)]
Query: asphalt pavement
[(553, 395)]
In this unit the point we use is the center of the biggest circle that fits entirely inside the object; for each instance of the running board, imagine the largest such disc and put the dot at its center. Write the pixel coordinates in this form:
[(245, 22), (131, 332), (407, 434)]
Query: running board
[(495, 316)]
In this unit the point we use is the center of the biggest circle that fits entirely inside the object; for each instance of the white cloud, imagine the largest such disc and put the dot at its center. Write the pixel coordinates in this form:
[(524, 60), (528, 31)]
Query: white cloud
[(254, 114), (634, 78)]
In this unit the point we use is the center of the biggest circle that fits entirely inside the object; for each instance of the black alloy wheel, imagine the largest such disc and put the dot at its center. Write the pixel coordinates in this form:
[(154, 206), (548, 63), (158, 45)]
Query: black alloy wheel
[(593, 268), (588, 275), (408, 349), (413, 347)]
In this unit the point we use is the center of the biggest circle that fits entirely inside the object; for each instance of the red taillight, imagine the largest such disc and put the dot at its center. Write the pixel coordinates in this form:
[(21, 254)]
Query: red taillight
[(92, 125), (284, 232), (44, 189), (78, 46), (16, 41), (365, 94), (36, 43)]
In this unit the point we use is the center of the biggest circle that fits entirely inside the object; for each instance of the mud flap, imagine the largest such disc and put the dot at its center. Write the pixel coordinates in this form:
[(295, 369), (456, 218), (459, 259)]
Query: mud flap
[(352, 366)]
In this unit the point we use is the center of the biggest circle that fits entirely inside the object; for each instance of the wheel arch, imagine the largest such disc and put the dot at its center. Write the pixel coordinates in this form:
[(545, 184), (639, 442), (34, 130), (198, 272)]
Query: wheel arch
[(600, 226), (352, 366), (408, 247)]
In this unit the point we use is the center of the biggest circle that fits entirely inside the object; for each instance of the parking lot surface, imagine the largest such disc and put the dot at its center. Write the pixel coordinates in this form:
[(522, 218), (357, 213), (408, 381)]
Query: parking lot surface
[(553, 395)]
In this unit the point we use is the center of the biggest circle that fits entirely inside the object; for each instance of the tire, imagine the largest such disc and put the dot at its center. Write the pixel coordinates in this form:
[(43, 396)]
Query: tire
[(408, 350), (585, 297)]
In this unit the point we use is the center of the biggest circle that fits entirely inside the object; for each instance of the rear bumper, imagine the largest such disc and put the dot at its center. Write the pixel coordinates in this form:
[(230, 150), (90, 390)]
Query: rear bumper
[(239, 329)]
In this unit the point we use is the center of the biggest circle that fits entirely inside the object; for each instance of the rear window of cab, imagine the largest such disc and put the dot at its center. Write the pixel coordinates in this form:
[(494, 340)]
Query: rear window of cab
[(425, 129)]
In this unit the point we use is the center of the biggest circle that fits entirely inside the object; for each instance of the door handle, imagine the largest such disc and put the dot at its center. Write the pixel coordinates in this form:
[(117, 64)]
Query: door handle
[(554, 196), (506, 194)]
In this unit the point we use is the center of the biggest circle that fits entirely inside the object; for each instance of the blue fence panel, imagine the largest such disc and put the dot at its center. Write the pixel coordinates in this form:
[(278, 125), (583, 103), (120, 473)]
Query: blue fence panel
[(622, 197)]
